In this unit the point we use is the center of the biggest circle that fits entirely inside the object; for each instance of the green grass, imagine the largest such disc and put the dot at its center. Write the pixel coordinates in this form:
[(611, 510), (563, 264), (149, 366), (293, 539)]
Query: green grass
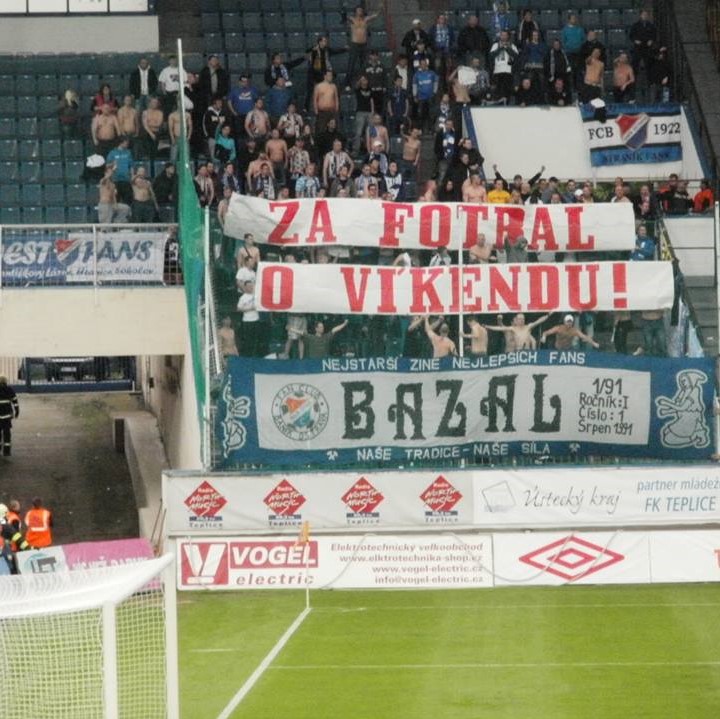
[(622, 652)]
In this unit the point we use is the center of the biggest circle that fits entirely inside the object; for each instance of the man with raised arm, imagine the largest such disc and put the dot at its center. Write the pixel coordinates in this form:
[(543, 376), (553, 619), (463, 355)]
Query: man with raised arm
[(566, 333), (518, 335), (442, 345)]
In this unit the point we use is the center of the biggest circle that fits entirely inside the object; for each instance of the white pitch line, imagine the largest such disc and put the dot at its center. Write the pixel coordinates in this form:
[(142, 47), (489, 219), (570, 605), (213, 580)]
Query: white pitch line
[(217, 650), (263, 666), (478, 607), (488, 665)]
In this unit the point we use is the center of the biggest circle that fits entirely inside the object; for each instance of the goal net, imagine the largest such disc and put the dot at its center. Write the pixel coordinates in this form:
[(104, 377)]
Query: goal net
[(98, 643)]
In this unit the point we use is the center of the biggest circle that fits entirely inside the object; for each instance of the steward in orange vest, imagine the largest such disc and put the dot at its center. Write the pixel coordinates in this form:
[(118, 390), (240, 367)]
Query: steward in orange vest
[(38, 522)]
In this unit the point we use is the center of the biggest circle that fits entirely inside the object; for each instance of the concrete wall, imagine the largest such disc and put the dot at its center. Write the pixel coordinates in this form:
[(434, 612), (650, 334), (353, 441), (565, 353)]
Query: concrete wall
[(693, 239), (64, 322), (168, 388), (137, 33)]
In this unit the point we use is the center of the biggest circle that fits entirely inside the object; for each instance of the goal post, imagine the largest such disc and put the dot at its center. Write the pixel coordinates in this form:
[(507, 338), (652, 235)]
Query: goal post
[(96, 643)]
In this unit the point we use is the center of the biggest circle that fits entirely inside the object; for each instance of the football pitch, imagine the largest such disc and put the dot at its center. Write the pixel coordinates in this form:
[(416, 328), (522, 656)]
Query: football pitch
[(578, 652)]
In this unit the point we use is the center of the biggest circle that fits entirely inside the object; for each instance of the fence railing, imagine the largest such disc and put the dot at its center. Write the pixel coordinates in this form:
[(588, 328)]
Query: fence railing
[(91, 254)]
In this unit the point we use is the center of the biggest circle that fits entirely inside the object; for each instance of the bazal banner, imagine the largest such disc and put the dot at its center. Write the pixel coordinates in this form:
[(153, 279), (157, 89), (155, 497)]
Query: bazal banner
[(59, 258), (523, 403), (532, 287), (341, 221), (634, 134)]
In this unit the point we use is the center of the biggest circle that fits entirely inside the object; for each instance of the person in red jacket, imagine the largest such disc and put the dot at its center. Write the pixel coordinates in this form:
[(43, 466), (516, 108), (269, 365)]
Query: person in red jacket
[(704, 200)]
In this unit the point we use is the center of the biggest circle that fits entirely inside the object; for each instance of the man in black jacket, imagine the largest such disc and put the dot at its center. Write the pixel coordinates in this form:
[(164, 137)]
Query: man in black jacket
[(9, 410), (643, 35), (473, 41), (143, 84), (214, 80)]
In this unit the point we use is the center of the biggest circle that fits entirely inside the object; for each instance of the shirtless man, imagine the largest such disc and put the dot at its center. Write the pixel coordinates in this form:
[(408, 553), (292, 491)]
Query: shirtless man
[(326, 102), (175, 129), (129, 118), (478, 337), (152, 122), (248, 255), (566, 333), (518, 335), (623, 79), (461, 92), (255, 166), (105, 130), (481, 253), (473, 189), (376, 132), (277, 151), (594, 69), (257, 121), (226, 334), (358, 42), (109, 209), (442, 345), (411, 151), (144, 206)]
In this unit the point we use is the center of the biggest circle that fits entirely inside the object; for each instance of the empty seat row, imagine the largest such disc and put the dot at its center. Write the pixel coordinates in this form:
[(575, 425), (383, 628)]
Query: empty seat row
[(255, 6), (50, 172), (24, 150), (289, 22), (60, 215), (279, 42), (37, 195), (55, 85)]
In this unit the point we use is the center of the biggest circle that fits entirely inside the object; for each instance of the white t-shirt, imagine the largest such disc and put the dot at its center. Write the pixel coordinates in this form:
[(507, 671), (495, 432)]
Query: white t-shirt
[(502, 60), (244, 274), (246, 305), (169, 78)]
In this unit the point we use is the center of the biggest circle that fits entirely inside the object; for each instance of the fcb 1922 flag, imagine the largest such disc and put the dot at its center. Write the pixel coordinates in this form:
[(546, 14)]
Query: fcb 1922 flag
[(634, 134)]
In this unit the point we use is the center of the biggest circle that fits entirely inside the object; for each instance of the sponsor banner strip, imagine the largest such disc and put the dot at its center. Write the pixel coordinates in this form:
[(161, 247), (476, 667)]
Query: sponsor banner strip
[(337, 562), (347, 222), (445, 561), (525, 403), (443, 290), (489, 499)]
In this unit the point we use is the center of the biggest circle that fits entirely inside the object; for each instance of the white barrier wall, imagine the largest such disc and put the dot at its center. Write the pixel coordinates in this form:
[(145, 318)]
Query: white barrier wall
[(358, 502), (523, 139), (693, 241)]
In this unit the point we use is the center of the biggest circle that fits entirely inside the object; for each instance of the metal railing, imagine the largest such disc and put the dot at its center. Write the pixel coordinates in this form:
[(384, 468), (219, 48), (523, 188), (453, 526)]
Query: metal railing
[(127, 255)]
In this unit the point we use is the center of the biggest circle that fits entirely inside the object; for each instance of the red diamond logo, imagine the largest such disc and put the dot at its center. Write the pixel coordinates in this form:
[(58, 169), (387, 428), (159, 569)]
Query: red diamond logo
[(572, 558), (441, 496), (362, 497), (284, 499), (205, 501)]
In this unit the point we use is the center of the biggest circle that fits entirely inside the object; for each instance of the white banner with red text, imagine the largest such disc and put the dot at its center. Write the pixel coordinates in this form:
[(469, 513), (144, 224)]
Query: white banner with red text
[(336, 562), (448, 561), (349, 502), (533, 287), (427, 226)]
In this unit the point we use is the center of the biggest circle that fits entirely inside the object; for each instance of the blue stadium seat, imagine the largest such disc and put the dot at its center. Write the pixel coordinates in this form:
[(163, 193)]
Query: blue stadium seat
[(629, 17), (314, 22), (229, 5), (89, 84), (27, 127), (68, 82), (338, 39), (32, 216), (92, 195), (28, 150), (53, 172), (47, 106), (77, 215), (7, 85), (600, 34), (54, 194), (30, 171), (291, 5), (213, 42), (49, 128), (255, 42), (378, 39), (612, 18), (55, 216), (297, 43), (551, 35), (73, 170), (293, 21), (47, 85), (8, 106), (73, 150), (51, 149), (252, 22), (271, 6), (8, 65), (237, 62), (333, 4), (194, 61), (210, 22), (548, 19), (31, 193), (311, 5), (10, 196), (10, 215), (25, 85), (27, 106), (234, 42), (275, 41), (8, 173), (8, 129), (231, 22), (8, 150), (257, 61), (601, 3), (210, 6), (617, 39), (334, 22), (76, 194), (590, 18), (253, 6)]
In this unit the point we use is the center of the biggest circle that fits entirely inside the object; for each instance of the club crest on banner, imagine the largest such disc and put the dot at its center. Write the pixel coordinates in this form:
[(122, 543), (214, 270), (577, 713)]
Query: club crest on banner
[(633, 129), (684, 412), (300, 411)]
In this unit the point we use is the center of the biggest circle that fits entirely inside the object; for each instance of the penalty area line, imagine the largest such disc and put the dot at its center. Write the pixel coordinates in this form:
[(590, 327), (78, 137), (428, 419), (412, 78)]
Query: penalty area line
[(253, 679)]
